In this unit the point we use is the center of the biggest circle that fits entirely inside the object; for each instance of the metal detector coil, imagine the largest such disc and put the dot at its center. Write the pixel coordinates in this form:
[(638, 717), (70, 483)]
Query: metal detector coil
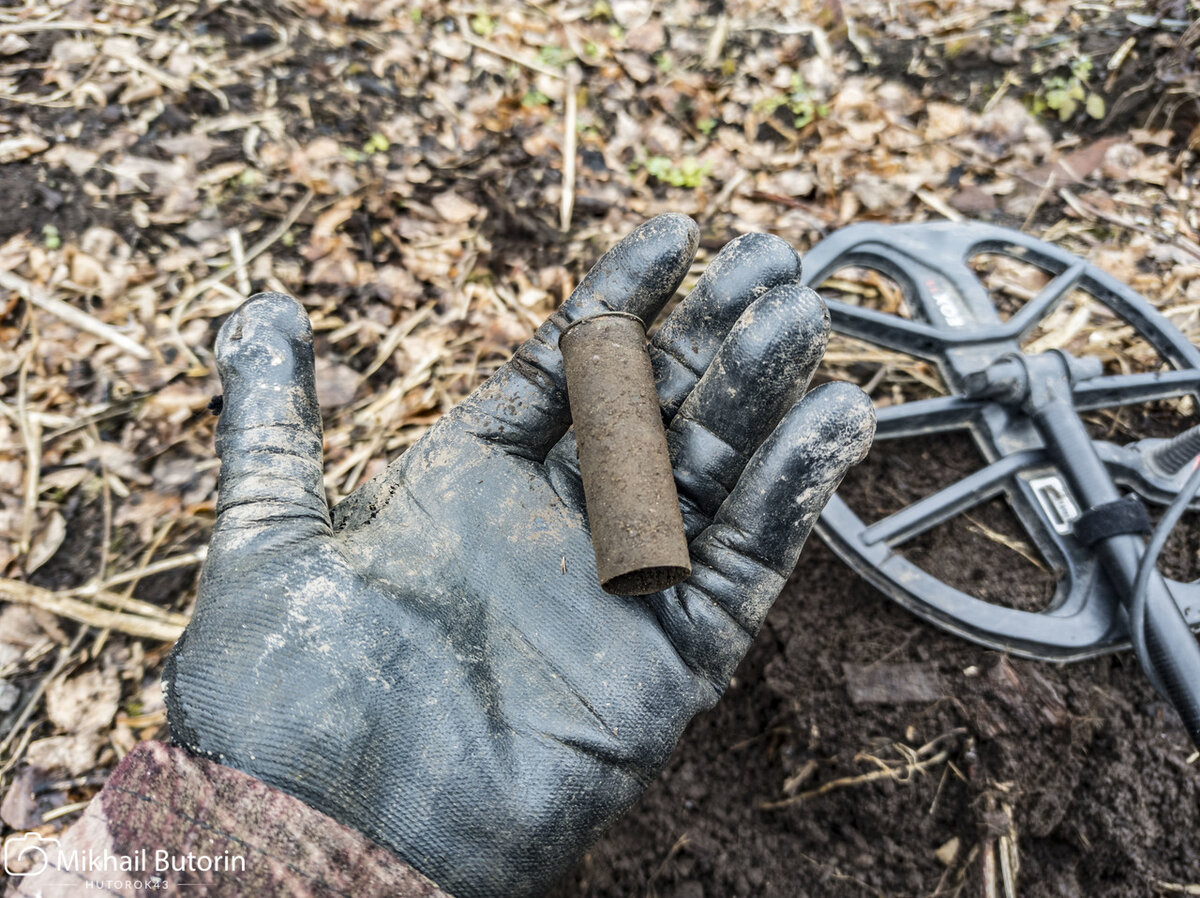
[(1022, 411)]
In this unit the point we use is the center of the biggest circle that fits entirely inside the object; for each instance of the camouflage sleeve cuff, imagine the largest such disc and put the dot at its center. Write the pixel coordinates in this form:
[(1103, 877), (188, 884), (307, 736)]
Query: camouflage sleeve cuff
[(168, 822)]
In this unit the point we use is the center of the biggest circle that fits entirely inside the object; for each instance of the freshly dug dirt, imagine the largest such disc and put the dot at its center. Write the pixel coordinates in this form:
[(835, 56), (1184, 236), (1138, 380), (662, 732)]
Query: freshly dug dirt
[(1082, 763)]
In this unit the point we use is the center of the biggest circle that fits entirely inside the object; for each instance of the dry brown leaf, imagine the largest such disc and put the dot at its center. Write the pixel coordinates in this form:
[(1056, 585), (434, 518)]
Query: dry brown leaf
[(73, 51), (646, 38), (945, 120), (86, 701), (19, 808), (78, 159), (74, 754), (453, 208), (196, 147), (11, 44), (48, 536), (14, 149), (451, 46), (19, 631), (947, 854), (336, 384)]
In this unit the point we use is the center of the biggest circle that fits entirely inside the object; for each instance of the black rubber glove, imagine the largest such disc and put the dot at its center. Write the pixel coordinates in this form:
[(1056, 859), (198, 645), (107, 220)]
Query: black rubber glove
[(433, 663)]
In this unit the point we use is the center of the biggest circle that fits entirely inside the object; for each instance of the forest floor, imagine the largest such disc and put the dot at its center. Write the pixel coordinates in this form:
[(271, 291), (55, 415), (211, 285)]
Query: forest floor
[(430, 180)]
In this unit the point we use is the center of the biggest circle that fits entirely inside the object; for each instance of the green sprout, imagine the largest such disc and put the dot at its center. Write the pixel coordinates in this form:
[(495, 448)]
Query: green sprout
[(483, 25), (553, 56), (1064, 94), (534, 97), (50, 236), (376, 143), (800, 101), (706, 125), (688, 172)]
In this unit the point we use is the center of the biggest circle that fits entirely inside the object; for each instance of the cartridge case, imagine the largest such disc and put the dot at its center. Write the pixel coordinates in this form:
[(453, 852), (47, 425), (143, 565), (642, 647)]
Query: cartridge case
[(632, 506)]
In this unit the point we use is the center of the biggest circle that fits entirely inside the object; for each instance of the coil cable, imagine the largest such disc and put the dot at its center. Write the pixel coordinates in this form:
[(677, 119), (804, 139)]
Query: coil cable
[(1137, 608)]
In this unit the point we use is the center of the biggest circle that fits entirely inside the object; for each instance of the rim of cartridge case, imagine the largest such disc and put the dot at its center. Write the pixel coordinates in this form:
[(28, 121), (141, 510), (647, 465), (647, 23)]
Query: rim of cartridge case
[(609, 314)]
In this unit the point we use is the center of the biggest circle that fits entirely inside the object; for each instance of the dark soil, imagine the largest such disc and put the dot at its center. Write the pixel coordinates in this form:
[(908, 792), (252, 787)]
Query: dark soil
[(1082, 761), (36, 197)]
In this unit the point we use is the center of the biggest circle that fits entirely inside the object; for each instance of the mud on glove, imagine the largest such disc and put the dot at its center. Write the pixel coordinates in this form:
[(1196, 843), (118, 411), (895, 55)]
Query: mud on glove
[(432, 661)]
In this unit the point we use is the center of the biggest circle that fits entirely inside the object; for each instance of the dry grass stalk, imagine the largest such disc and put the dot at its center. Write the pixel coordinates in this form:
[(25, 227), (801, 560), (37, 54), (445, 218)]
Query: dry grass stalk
[(900, 773), (141, 619), (31, 436), (31, 703), (1179, 888), (570, 120), (77, 318), (1022, 548), (181, 307)]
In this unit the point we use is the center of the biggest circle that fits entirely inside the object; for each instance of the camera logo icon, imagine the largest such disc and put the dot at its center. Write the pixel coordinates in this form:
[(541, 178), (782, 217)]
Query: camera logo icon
[(26, 855)]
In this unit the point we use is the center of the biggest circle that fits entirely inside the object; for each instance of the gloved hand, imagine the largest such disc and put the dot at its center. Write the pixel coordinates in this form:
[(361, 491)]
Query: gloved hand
[(433, 662)]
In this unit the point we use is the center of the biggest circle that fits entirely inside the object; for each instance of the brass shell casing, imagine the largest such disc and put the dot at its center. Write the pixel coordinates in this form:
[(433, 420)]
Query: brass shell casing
[(629, 487)]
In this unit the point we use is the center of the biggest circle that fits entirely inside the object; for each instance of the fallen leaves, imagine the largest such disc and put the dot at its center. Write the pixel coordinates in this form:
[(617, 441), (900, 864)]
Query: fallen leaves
[(72, 754), (14, 149), (84, 702), (454, 208)]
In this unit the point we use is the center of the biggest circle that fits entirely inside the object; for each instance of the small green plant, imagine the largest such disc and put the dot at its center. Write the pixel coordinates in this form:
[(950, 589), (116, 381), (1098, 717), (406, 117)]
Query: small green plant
[(706, 125), (483, 25), (800, 100), (376, 143), (51, 237), (534, 97), (553, 56), (1063, 94), (688, 172)]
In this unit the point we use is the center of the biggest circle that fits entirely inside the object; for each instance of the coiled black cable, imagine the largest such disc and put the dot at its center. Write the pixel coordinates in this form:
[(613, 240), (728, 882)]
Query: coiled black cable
[(1137, 608)]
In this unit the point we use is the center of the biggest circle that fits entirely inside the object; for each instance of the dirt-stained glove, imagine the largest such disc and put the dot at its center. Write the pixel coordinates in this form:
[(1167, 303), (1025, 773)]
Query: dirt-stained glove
[(433, 662)]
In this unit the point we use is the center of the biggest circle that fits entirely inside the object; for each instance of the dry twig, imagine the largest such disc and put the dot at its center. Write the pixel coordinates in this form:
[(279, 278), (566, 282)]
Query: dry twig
[(133, 617), (900, 773), (77, 318)]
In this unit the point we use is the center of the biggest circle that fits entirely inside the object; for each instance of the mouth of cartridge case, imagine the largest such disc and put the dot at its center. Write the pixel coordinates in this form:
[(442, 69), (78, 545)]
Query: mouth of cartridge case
[(645, 581)]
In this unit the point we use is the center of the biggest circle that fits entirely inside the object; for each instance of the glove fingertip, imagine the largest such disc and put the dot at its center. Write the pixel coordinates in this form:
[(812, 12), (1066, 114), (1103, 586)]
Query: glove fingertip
[(269, 313), (641, 272), (750, 264)]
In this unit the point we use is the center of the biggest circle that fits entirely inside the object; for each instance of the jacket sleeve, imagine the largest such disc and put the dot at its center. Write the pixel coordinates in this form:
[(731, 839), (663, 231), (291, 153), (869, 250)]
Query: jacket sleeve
[(167, 819)]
